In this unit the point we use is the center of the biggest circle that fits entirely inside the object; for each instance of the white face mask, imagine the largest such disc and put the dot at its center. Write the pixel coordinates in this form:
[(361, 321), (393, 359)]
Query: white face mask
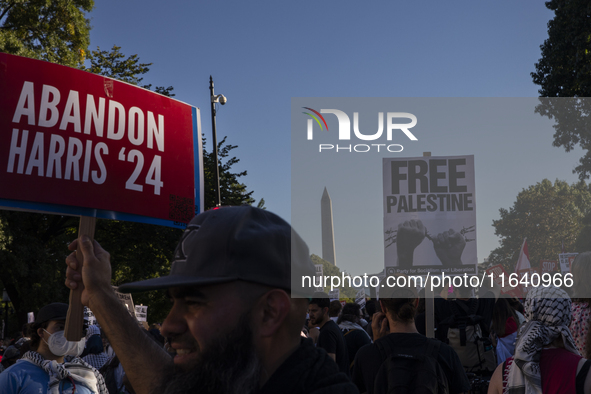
[(60, 346)]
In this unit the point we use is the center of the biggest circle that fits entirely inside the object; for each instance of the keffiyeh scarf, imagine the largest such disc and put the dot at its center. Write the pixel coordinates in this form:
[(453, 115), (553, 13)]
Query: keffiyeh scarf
[(347, 326), (76, 370), (96, 360), (548, 314)]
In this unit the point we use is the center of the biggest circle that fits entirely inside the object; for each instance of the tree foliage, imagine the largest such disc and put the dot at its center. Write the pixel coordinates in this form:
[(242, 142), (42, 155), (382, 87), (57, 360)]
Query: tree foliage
[(232, 192), (332, 270), (564, 70), (33, 248), (52, 30), (583, 242), (114, 64), (565, 67), (140, 251), (547, 214)]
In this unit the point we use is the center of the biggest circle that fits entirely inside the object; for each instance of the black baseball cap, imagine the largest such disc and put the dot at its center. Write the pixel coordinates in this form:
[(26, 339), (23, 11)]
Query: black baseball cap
[(55, 311), (236, 243)]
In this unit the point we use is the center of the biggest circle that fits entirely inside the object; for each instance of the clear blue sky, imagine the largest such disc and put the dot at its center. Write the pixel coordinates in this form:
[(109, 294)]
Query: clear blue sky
[(263, 53)]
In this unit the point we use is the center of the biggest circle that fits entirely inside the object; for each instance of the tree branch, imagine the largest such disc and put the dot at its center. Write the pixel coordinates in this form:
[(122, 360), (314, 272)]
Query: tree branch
[(7, 9)]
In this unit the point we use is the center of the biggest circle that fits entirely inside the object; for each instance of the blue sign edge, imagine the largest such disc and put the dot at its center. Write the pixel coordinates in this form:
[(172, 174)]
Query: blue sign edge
[(69, 210)]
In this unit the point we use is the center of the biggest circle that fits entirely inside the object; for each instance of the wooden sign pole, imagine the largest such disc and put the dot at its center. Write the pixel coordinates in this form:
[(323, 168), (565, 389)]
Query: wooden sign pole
[(429, 312), (75, 318), (429, 300)]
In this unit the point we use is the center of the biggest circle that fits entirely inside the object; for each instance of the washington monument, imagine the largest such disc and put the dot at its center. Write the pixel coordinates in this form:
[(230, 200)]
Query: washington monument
[(328, 252)]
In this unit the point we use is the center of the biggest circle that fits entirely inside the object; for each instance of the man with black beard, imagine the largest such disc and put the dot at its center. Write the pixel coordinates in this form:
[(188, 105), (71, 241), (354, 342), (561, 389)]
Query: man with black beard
[(235, 320), (230, 365)]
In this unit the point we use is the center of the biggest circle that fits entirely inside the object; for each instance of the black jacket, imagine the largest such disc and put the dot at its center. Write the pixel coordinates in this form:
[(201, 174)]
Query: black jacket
[(308, 370)]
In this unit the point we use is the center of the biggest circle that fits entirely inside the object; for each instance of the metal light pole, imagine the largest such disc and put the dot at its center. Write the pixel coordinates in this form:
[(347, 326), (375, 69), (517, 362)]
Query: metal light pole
[(220, 98), (5, 300)]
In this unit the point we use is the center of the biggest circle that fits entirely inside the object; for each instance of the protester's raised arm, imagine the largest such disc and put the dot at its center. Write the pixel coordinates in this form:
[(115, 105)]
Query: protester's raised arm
[(95, 275), (135, 349)]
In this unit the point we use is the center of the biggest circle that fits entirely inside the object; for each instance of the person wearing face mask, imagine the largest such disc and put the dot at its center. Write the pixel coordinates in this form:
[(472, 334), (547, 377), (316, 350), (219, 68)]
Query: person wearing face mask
[(43, 370)]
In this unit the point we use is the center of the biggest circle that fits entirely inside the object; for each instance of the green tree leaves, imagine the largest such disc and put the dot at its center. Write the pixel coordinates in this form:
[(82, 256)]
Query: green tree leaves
[(547, 214), (332, 270), (33, 248), (564, 70), (232, 192), (52, 30), (113, 64)]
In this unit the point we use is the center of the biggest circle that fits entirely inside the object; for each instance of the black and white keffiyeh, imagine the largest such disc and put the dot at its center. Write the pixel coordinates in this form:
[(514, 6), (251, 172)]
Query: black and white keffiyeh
[(76, 370), (348, 326), (548, 314), (96, 360)]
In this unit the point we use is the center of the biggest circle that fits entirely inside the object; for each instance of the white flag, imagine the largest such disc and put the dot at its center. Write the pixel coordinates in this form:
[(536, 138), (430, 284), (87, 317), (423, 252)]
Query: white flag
[(523, 262)]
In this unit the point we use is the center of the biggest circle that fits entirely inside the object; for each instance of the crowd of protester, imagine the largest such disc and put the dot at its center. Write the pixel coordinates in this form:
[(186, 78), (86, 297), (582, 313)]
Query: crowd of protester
[(234, 327)]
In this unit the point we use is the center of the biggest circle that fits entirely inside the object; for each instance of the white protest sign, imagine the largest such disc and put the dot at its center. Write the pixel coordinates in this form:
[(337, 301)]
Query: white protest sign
[(360, 298), (126, 300), (141, 312), (430, 215), (566, 260), (30, 317), (319, 273), (334, 294)]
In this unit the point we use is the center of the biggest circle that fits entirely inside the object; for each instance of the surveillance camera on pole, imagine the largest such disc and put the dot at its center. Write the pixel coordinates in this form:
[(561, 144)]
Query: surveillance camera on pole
[(220, 98)]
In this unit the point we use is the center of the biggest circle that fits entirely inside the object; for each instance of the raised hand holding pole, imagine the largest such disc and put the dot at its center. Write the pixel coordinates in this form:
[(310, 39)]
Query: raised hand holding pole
[(75, 318)]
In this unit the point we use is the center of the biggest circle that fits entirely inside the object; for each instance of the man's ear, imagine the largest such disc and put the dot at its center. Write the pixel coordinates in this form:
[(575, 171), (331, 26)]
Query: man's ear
[(273, 309)]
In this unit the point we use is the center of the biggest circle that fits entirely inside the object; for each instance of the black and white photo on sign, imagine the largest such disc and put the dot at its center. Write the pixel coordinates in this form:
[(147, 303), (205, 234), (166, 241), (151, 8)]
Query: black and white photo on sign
[(141, 312), (429, 215), (89, 316)]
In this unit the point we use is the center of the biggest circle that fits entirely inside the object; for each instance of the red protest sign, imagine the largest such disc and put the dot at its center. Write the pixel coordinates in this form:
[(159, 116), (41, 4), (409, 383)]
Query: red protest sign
[(498, 272), (78, 143), (502, 279), (549, 266)]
